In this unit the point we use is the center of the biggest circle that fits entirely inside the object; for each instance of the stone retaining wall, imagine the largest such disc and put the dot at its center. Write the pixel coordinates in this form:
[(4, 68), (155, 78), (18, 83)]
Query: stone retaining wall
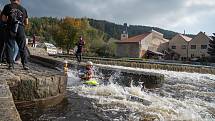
[(38, 87), (8, 111)]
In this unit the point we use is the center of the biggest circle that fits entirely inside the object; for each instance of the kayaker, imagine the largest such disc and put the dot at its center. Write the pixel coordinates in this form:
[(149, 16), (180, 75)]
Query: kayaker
[(87, 75)]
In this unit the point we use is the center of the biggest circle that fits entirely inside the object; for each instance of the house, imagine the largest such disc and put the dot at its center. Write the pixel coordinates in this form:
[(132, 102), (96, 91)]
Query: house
[(150, 44), (179, 45), (198, 47), (190, 48)]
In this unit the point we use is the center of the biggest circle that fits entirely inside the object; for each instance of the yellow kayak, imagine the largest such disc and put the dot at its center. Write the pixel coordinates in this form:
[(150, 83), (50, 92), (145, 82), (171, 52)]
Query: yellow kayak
[(91, 82)]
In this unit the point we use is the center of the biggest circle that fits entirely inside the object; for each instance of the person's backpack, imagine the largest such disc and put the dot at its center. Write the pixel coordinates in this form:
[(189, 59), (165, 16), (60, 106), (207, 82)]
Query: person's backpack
[(16, 18)]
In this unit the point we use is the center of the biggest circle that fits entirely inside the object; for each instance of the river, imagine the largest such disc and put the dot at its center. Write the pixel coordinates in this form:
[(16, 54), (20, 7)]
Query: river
[(183, 96)]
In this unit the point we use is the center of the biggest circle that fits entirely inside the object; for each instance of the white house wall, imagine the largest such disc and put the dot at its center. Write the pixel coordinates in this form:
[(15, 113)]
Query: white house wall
[(179, 41), (155, 42), (128, 50), (199, 40)]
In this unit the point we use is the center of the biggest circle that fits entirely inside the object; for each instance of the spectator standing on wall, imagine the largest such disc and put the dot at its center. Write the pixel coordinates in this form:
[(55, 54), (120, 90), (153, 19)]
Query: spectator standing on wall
[(2, 39), (16, 18), (79, 51)]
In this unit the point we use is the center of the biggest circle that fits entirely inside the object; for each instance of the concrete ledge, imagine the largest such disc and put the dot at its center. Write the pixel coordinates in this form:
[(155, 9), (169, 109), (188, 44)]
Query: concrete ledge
[(38, 87), (8, 111), (41, 103), (150, 80)]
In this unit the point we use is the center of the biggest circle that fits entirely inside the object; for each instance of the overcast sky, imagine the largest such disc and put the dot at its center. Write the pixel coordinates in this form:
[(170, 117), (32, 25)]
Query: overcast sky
[(176, 15)]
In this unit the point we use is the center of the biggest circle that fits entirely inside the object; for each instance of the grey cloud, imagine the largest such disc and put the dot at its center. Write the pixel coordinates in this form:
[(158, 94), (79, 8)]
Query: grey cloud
[(161, 13)]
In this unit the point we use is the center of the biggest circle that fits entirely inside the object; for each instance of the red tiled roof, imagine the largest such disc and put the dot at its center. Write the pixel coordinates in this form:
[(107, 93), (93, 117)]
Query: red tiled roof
[(186, 38), (134, 39)]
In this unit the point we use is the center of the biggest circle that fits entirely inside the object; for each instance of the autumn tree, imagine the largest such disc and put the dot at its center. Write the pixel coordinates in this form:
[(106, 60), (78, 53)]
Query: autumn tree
[(65, 33)]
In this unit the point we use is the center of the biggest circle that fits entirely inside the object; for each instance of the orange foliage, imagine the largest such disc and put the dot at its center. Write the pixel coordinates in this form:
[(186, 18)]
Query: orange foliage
[(77, 23)]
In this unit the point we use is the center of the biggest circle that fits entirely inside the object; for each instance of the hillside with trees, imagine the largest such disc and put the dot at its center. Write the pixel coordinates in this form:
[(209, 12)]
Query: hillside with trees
[(99, 35), (115, 30)]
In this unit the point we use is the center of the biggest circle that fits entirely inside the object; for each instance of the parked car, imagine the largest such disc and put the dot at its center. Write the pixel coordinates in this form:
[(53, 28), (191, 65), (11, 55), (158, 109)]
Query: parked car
[(59, 51), (50, 48)]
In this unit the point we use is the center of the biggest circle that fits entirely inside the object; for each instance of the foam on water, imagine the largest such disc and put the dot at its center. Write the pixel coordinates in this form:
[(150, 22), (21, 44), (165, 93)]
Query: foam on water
[(184, 96)]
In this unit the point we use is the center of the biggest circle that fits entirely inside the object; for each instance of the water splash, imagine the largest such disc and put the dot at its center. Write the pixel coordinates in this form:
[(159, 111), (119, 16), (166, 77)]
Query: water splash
[(184, 96)]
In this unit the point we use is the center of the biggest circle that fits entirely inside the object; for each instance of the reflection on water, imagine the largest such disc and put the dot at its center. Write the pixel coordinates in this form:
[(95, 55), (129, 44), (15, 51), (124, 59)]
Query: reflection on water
[(184, 96)]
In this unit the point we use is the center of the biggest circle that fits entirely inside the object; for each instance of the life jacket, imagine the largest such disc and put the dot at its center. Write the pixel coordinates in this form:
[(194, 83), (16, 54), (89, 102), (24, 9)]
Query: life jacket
[(85, 72)]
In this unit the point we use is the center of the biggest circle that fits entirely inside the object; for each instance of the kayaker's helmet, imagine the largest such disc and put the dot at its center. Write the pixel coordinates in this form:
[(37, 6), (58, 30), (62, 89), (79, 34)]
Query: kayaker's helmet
[(89, 63)]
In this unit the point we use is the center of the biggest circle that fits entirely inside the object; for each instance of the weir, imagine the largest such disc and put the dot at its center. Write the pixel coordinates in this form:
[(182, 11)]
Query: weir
[(151, 64), (150, 80)]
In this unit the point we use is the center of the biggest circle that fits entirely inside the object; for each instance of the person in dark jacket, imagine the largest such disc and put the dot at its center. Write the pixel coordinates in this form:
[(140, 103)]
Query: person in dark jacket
[(79, 51), (2, 39), (16, 18)]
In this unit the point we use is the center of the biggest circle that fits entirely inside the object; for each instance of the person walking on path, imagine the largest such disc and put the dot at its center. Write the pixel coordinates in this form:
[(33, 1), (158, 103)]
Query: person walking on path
[(16, 18), (79, 51)]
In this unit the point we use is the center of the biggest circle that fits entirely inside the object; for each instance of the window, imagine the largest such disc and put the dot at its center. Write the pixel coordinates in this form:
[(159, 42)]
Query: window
[(183, 58), (173, 47), (193, 46), (183, 47), (203, 47), (192, 55)]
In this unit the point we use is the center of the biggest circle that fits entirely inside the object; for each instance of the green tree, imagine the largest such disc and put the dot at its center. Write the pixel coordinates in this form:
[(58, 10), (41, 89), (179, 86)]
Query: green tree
[(66, 33), (211, 50)]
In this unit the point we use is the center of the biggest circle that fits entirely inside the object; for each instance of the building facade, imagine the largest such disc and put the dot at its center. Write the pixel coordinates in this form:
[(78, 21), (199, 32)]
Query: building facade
[(138, 46), (198, 47), (179, 44), (190, 48)]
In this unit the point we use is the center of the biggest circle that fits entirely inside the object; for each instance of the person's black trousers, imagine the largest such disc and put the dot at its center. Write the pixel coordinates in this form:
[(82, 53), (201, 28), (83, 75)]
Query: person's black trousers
[(21, 41), (2, 44), (78, 56)]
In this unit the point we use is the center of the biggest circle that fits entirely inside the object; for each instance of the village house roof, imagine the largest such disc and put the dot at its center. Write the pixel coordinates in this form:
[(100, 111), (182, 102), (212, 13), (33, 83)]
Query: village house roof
[(186, 38), (203, 33), (135, 39)]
